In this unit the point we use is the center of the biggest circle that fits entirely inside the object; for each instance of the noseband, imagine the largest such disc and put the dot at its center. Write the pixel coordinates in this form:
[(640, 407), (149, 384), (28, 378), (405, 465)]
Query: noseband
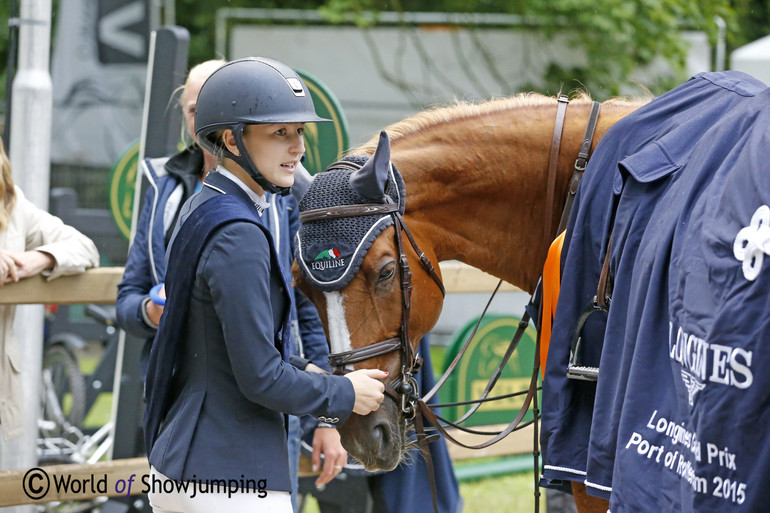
[(404, 389)]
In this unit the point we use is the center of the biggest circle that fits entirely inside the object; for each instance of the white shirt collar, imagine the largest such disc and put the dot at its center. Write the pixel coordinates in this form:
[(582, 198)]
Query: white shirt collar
[(259, 201)]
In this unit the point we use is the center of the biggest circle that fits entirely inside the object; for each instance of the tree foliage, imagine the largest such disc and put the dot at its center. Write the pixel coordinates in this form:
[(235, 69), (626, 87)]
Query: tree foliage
[(617, 35), (621, 35)]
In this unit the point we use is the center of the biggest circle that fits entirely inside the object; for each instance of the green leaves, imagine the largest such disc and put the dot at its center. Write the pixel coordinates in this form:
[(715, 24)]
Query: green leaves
[(619, 36)]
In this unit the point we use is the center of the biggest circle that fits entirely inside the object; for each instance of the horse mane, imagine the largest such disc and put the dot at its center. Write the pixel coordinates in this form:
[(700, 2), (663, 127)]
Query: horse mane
[(441, 114)]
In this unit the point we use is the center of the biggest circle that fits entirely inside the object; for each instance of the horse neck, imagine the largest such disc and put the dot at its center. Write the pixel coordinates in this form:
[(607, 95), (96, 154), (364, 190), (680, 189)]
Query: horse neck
[(476, 190)]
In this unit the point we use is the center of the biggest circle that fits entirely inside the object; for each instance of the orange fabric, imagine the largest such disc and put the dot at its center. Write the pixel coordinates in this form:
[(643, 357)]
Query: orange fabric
[(551, 286)]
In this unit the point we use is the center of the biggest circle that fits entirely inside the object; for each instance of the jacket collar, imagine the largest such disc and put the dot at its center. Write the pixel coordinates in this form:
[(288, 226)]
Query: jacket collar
[(186, 166), (225, 185)]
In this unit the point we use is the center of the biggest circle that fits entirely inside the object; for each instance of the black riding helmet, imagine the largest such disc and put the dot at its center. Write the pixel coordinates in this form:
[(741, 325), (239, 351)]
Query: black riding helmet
[(250, 91)]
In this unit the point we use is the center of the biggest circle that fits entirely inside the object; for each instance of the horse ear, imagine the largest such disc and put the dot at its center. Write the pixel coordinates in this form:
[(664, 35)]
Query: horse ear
[(302, 181), (371, 179)]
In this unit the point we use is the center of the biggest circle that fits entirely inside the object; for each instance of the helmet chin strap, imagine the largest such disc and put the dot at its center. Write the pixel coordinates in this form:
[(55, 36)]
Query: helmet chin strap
[(244, 160)]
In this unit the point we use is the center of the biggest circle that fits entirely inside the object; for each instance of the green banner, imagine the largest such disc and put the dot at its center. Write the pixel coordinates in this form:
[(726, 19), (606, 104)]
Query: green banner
[(324, 142), (121, 188), (480, 362)]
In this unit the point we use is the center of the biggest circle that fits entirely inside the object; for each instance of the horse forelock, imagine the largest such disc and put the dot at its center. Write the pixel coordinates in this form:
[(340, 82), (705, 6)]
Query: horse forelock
[(439, 116)]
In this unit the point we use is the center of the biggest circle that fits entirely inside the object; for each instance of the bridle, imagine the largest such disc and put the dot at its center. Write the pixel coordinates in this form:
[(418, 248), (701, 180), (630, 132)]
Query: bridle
[(404, 389)]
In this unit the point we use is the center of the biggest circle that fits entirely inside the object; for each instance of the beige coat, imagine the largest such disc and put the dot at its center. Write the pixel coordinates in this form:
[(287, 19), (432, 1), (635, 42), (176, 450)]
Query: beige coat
[(31, 228)]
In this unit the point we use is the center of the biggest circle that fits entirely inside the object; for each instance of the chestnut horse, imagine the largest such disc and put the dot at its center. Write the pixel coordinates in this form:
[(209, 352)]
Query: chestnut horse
[(475, 181)]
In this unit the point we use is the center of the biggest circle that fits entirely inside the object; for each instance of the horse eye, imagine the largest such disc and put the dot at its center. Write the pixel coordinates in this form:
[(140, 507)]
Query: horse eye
[(387, 272)]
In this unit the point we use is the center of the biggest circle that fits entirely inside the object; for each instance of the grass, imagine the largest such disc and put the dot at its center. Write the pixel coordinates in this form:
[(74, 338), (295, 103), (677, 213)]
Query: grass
[(512, 494), (509, 494)]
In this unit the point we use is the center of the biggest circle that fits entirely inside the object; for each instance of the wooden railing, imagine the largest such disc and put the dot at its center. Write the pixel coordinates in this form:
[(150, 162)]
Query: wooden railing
[(101, 285)]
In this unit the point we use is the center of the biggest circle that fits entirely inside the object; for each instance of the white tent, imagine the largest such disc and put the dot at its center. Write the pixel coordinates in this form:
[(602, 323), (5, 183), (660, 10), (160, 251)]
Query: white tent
[(754, 59)]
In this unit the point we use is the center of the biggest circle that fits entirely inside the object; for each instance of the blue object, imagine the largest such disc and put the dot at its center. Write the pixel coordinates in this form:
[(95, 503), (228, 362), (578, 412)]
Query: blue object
[(154, 295)]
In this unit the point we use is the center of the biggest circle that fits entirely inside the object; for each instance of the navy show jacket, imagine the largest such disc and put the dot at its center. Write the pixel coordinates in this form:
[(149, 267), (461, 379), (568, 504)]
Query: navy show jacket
[(231, 381)]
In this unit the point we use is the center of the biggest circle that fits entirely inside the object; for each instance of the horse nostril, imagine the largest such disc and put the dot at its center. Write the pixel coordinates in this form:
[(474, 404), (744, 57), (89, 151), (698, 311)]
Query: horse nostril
[(382, 434)]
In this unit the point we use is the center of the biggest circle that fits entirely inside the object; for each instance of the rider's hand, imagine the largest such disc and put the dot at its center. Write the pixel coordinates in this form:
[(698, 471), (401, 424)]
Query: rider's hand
[(311, 367), (369, 391), (154, 310), (326, 441)]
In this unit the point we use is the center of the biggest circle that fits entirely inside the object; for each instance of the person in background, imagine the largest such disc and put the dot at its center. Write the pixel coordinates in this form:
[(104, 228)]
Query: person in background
[(32, 242), (218, 376), (172, 180)]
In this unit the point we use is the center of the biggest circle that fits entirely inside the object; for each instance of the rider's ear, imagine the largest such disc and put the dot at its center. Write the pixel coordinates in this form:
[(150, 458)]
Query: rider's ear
[(228, 139), (371, 179)]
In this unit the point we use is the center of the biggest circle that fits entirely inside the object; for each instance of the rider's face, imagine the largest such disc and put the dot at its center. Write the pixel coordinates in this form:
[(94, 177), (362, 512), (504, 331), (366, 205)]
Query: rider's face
[(189, 101), (276, 150)]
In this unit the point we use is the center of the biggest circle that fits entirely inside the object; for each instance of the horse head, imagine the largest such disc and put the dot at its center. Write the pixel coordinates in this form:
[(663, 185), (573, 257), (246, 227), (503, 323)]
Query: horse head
[(356, 263)]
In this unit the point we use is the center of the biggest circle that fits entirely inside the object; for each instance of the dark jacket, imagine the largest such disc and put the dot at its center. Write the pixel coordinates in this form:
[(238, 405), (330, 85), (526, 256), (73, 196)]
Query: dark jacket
[(219, 380), (146, 264)]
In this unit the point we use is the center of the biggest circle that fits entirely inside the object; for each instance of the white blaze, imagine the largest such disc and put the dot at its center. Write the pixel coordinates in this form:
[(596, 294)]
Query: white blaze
[(339, 336)]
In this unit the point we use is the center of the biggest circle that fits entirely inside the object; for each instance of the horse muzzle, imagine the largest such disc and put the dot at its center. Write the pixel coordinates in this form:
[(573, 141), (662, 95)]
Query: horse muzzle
[(376, 440)]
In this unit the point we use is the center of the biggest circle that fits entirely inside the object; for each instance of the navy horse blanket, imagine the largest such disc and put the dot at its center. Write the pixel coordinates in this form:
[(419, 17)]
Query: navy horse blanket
[(680, 415)]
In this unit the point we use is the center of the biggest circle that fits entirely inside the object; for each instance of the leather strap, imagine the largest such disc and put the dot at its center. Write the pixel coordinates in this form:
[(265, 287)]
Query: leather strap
[(553, 164), (425, 261), (580, 165), (336, 212), (604, 289), (428, 396), (514, 343), (425, 410), (364, 353), (422, 442)]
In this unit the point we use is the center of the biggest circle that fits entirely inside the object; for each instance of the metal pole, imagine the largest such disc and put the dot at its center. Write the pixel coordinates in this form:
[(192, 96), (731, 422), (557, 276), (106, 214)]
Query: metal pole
[(719, 61), (30, 159), (169, 12), (13, 36)]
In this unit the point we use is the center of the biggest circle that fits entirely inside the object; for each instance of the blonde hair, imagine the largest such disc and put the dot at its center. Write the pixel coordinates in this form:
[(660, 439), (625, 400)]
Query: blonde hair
[(7, 192), (198, 72)]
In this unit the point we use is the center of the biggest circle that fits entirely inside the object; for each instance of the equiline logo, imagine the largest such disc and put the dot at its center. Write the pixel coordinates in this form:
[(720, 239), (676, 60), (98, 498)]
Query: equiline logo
[(328, 253), (327, 259)]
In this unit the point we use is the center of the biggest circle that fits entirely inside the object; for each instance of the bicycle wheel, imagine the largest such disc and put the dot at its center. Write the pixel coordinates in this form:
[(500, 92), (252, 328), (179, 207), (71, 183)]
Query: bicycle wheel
[(64, 399)]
